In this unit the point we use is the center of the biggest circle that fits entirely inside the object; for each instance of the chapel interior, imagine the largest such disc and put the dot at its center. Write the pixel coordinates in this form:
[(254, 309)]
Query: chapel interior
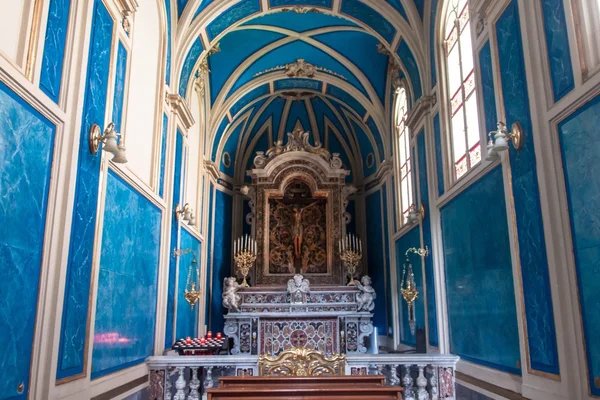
[(299, 199)]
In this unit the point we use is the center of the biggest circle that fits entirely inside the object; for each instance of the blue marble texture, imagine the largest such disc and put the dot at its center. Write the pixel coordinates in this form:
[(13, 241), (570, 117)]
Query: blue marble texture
[(581, 164), (346, 98), (482, 312), (487, 88), (295, 83), (163, 154), (187, 317), (181, 6), (119, 95), (541, 333), (78, 279), (190, 60), (209, 263), (410, 239), (221, 257), (366, 14), (408, 59), (433, 41), (439, 160), (388, 270), (177, 179), (397, 4), (426, 226), (241, 10), (26, 150), (169, 39), (557, 42), (376, 257), (248, 98), (128, 278), (54, 48)]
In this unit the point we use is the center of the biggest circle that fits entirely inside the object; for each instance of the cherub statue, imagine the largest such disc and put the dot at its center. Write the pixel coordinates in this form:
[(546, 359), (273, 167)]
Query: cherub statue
[(297, 287), (231, 299), (366, 297)]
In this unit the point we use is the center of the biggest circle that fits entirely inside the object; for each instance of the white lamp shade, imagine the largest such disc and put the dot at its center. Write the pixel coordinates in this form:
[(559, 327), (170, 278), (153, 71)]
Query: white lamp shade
[(500, 145), (110, 144), (120, 156)]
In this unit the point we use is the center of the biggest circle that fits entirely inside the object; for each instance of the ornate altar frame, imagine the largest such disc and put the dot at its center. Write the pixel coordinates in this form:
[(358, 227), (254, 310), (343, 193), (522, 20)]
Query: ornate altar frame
[(323, 173)]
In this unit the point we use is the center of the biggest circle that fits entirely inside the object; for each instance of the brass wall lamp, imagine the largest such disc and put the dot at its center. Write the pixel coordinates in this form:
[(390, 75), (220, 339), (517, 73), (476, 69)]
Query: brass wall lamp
[(185, 213), (109, 141), (415, 214), (498, 140)]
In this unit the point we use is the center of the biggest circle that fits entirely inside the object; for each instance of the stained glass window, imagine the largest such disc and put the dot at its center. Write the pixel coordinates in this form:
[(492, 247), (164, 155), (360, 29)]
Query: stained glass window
[(403, 159), (462, 94)]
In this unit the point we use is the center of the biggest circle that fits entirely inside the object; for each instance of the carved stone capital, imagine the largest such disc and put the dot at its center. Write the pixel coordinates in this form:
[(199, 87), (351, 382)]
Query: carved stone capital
[(181, 109), (420, 110), (212, 169)]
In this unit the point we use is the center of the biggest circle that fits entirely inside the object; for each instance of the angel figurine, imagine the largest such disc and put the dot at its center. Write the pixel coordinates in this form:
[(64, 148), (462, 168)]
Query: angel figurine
[(366, 297), (231, 299)]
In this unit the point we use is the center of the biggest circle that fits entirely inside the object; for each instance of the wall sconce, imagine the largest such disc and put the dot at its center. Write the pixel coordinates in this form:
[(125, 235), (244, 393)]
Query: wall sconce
[(192, 292), (415, 214), (109, 141), (185, 213), (408, 285), (499, 139)]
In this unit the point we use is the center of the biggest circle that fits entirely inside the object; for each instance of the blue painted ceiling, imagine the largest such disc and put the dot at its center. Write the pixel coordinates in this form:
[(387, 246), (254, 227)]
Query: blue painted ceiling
[(344, 41)]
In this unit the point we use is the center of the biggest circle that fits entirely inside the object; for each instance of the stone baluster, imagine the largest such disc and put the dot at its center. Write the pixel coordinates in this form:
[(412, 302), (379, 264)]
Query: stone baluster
[(433, 382), (394, 379), (208, 381), (168, 395), (422, 385), (194, 385), (180, 384), (407, 381)]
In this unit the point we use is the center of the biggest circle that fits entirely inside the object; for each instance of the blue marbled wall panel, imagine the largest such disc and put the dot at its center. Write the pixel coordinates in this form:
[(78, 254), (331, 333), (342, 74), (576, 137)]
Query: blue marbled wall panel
[(397, 4), (557, 42), (169, 39), (369, 16), (388, 270), (54, 48), (129, 262), (408, 59), (439, 160), (376, 256), (432, 41), (26, 148), (187, 317), (479, 284), (234, 14), (410, 239), (77, 288), (188, 65), (209, 260), (170, 325), (249, 97), (426, 226), (119, 94), (487, 88), (163, 154), (581, 161), (221, 256), (181, 6), (532, 246)]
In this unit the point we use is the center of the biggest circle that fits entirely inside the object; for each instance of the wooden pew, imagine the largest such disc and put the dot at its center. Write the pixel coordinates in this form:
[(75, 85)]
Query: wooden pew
[(236, 382)]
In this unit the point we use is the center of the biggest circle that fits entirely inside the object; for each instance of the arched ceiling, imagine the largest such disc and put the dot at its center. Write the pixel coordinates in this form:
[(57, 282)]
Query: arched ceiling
[(246, 45)]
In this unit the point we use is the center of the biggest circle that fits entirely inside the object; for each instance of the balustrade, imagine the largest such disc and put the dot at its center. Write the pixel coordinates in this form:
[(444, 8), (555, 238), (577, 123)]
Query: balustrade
[(422, 376)]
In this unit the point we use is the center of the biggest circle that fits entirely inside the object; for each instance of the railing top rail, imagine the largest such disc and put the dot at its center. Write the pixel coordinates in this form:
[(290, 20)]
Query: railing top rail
[(158, 362), (403, 359)]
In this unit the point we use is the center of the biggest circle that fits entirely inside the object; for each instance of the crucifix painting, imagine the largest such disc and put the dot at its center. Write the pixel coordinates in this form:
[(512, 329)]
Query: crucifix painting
[(298, 232)]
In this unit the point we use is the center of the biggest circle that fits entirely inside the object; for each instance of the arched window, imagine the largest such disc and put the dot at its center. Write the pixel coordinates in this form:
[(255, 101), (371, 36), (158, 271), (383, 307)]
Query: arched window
[(465, 141), (587, 17), (404, 180)]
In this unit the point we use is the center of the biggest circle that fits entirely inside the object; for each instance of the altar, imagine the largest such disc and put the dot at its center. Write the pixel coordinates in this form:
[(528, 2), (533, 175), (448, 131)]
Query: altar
[(302, 294)]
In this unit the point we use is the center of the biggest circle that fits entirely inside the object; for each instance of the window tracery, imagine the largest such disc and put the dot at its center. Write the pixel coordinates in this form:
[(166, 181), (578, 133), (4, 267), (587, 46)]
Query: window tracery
[(404, 181)]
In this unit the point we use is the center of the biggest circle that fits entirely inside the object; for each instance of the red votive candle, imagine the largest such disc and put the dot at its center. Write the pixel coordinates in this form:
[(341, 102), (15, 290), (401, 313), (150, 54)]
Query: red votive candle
[(188, 340), (202, 340), (209, 335), (219, 336)]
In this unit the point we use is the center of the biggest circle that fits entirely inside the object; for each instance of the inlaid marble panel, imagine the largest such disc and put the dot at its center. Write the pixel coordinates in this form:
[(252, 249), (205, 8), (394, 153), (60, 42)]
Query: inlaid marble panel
[(26, 148), (127, 281), (375, 254), (283, 334), (426, 226), (479, 284), (222, 257), (54, 48), (581, 161), (187, 317), (411, 239), (541, 333), (557, 44), (77, 288)]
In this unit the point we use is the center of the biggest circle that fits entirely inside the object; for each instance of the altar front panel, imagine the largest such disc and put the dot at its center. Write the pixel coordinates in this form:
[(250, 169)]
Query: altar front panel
[(312, 333)]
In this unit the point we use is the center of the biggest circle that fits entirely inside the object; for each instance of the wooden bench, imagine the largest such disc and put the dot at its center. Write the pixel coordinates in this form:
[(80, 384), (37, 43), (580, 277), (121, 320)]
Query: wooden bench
[(236, 382)]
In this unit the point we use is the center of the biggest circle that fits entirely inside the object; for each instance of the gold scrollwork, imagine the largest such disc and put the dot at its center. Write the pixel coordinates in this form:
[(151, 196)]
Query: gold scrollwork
[(302, 362)]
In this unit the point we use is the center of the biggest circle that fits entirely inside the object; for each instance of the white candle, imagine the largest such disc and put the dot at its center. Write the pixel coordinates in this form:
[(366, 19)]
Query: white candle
[(360, 246), (235, 247)]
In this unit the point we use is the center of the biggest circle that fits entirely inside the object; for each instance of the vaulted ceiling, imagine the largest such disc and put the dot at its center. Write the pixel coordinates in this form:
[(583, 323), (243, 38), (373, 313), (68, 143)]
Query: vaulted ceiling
[(246, 45)]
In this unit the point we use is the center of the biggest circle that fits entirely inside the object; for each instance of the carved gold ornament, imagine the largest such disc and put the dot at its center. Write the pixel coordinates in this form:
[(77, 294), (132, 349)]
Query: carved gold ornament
[(301, 362)]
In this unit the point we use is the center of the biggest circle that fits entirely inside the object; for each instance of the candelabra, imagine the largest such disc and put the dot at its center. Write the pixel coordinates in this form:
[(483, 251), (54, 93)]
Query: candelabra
[(408, 286), (190, 293), (351, 254), (244, 250)]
